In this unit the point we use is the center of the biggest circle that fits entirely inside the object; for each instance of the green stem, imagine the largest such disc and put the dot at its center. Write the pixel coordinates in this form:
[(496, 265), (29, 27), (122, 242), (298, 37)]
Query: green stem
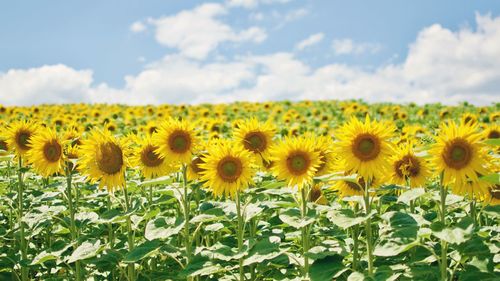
[(473, 211), (186, 207), (130, 233), (368, 228), (73, 230), (240, 234), (355, 238), (22, 242), (304, 230), (444, 263)]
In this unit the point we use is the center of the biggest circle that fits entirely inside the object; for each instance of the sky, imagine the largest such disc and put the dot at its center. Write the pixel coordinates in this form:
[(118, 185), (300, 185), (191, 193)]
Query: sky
[(153, 52)]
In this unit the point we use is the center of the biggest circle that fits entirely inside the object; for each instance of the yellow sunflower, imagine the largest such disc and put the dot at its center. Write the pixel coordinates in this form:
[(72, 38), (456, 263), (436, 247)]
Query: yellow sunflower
[(408, 167), (473, 188), (104, 159), (324, 147), (347, 188), (458, 154), (365, 147), (148, 161), (295, 160), (194, 169), (176, 141), (256, 137), (469, 118), (4, 148), (492, 132), (316, 195), (19, 134), (227, 168), (46, 153), (493, 195)]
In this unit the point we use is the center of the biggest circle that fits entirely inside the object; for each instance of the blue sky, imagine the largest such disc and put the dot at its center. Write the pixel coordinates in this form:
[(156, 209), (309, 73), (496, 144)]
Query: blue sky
[(94, 43)]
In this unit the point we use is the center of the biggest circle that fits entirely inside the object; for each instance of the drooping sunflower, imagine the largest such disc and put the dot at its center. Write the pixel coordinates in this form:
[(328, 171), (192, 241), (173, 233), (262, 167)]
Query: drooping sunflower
[(347, 188), (147, 159), (256, 137), (19, 134), (316, 195), (473, 188), (407, 167), (324, 147), (458, 154), (194, 168), (46, 153), (227, 168), (295, 160), (493, 195), (104, 159), (365, 148), (176, 141)]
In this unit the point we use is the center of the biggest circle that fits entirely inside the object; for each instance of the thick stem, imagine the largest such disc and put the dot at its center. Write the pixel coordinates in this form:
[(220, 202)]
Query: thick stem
[(74, 234), (304, 230), (22, 242), (240, 234), (130, 233), (368, 228), (444, 262), (186, 207)]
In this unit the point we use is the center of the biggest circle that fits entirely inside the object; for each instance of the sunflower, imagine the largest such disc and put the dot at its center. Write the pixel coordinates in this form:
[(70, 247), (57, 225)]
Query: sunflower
[(316, 195), (365, 148), (324, 147), (469, 118), (295, 160), (176, 141), (473, 188), (492, 132), (348, 188), (19, 134), (493, 195), (458, 154), (194, 169), (4, 148), (104, 159), (148, 161), (227, 168), (255, 137), (407, 167), (46, 153)]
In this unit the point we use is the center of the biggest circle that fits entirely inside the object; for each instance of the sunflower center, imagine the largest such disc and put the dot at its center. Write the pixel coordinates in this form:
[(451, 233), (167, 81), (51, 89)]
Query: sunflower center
[(494, 134), (408, 166), (149, 158), (109, 158), (52, 151), (22, 139), (229, 169), (179, 141), (457, 154), (255, 142), (366, 147), (195, 165), (298, 163)]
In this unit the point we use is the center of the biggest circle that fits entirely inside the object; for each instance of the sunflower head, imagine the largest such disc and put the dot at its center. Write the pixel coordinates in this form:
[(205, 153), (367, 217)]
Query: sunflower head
[(19, 134), (194, 169), (46, 153), (458, 154), (175, 141), (295, 160), (104, 159), (255, 137), (365, 147), (147, 159), (227, 168), (408, 168)]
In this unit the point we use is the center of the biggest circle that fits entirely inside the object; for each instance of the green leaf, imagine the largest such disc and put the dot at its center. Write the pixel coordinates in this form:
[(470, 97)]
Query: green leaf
[(86, 250), (455, 235), (356, 276), (492, 211), (492, 178), (346, 218), (495, 142), (157, 181), (411, 195), (199, 266), (162, 228), (142, 251), (326, 268), (294, 218), (265, 249)]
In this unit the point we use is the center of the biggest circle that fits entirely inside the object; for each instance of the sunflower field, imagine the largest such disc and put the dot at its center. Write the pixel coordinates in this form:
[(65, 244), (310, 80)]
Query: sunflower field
[(326, 190)]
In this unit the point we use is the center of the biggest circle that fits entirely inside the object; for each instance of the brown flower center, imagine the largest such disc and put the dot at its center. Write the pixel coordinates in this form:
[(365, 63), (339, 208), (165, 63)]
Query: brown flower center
[(52, 151), (149, 157), (366, 147), (229, 169), (22, 139), (255, 142), (494, 134), (152, 130), (408, 166), (179, 141), (298, 162), (457, 154), (195, 165), (109, 158)]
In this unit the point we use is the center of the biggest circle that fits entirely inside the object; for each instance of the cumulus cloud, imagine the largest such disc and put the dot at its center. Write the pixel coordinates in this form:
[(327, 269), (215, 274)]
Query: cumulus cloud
[(441, 66), (347, 46), (138, 27), (195, 33), (310, 41)]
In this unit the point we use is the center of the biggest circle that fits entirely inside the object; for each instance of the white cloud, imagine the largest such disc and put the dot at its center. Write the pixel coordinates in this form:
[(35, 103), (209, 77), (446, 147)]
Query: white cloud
[(198, 32), (250, 4), (137, 27), (441, 66), (347, 46), (310, 41)]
